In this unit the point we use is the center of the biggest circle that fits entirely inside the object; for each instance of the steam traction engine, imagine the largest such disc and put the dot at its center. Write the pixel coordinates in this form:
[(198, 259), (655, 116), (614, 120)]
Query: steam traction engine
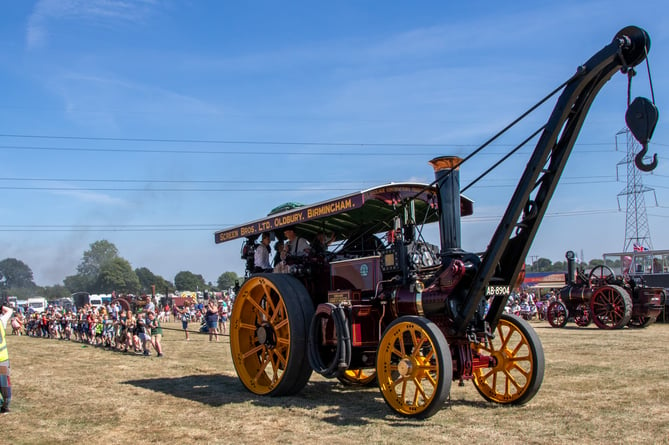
[(611, 301), (397, 310)]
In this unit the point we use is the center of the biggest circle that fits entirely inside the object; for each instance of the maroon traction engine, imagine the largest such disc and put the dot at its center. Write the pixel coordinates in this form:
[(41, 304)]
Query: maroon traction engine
[(611, 301), (385, 306)]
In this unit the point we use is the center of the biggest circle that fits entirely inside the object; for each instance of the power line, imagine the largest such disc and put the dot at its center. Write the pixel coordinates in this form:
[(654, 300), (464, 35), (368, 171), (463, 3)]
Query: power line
[(153, 190), (253, 190), (192, 181), (209, 227), (237, 181), (270, 153), (251, 142), (248, 142)]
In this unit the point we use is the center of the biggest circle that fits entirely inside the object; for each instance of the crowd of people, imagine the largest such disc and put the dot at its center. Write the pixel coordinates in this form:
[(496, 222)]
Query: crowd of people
[(211, 317), (529, 305), (115, 328), (108, 326)]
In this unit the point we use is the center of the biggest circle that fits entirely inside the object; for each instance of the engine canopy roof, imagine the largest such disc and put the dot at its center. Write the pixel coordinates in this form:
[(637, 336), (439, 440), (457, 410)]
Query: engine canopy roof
[(369, 211)]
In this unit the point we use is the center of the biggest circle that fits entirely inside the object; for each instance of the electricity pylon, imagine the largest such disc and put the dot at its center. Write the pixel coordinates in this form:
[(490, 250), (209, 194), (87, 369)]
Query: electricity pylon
[(637, 231)]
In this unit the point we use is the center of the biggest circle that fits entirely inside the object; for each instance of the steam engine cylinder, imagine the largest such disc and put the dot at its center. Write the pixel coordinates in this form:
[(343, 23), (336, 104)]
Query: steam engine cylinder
[(431, 300)]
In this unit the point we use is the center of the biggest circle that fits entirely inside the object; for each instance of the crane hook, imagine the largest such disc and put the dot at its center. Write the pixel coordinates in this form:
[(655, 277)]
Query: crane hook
[(641, 118), (641, 165)]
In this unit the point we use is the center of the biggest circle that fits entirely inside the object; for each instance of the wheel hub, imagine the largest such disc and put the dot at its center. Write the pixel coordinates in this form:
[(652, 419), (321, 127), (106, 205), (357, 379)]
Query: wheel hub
[(405, 367), (498, 358), (265, 335)]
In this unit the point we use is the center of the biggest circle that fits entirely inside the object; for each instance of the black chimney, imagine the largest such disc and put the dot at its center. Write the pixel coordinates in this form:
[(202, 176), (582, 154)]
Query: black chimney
[(447, 175)]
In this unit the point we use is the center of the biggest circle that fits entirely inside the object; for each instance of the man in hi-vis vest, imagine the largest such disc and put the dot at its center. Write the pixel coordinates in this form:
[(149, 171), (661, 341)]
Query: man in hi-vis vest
[(5, 383)]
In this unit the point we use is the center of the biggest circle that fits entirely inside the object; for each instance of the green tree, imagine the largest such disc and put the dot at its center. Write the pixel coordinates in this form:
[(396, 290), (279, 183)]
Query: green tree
[(55, 292), (541, 265), (117, 275), (15, 274), (596, 262), (227, 280), (78, 283), (559, 266), (185, 280), (100, 253), (148, 279)]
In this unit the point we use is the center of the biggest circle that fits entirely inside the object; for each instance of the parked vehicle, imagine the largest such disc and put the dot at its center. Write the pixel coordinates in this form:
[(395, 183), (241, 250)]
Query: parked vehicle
[(611, 301), (37, 304), (386, 306), (94, 300), (644, 266)]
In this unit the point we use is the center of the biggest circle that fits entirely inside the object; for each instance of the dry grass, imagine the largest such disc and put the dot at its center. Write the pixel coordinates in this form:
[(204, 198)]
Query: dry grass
[(599, 387)]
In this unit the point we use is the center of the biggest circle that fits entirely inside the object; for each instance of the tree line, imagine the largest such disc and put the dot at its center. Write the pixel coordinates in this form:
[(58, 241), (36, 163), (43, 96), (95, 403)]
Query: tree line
[(546, 265), (103, 270)]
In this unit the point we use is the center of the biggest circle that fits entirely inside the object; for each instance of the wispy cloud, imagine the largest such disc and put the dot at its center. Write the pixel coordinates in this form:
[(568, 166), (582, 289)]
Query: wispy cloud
[(101, 99), (91, 197), (96, 12)]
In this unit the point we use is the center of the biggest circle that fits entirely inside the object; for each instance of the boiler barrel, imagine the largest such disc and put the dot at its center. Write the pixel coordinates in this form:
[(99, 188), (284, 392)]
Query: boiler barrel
[(576, 294)]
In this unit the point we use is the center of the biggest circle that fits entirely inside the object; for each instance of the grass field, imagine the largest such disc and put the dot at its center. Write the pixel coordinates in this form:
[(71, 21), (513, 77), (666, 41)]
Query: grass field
[(599, 387)]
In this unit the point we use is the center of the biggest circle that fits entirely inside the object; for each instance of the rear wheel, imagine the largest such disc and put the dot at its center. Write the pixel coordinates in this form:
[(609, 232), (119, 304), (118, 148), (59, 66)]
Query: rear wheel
[(268, 334), (518, 363), (414, 367), (611, 307), (358, 377), (641, 322), (557, 314)]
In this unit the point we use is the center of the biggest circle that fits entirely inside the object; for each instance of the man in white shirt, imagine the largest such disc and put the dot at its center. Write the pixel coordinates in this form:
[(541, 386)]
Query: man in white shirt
[(261, 255), (296, 246)]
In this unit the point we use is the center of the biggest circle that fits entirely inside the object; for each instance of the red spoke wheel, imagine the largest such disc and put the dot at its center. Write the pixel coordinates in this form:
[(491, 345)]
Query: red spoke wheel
[(557, 314), (414, 367), (125, 305), (641, 322), (268, 334), (611, 307), (601, 275), (518, 363), (582, 316)]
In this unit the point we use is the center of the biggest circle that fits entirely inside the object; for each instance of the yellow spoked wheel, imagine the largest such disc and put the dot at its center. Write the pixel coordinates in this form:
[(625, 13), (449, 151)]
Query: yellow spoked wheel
[(268, 334), (358, 377), (414, 367), (518, 363)]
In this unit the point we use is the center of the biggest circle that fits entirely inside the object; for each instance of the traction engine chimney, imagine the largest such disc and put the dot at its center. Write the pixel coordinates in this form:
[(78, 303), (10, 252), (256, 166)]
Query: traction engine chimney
[(447, 175)]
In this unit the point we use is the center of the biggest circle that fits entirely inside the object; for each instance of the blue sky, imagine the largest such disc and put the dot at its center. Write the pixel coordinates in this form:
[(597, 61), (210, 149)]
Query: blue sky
[(152, 124)]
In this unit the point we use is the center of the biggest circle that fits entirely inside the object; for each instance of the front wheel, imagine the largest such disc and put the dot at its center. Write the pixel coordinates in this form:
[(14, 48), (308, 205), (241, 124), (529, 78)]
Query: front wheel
[(414, 367), (518, 363), (557, 314), (268, 334)]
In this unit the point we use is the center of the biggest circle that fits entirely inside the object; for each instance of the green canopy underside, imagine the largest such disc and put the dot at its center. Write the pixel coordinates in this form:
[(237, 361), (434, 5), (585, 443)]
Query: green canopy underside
[(369, 211)]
